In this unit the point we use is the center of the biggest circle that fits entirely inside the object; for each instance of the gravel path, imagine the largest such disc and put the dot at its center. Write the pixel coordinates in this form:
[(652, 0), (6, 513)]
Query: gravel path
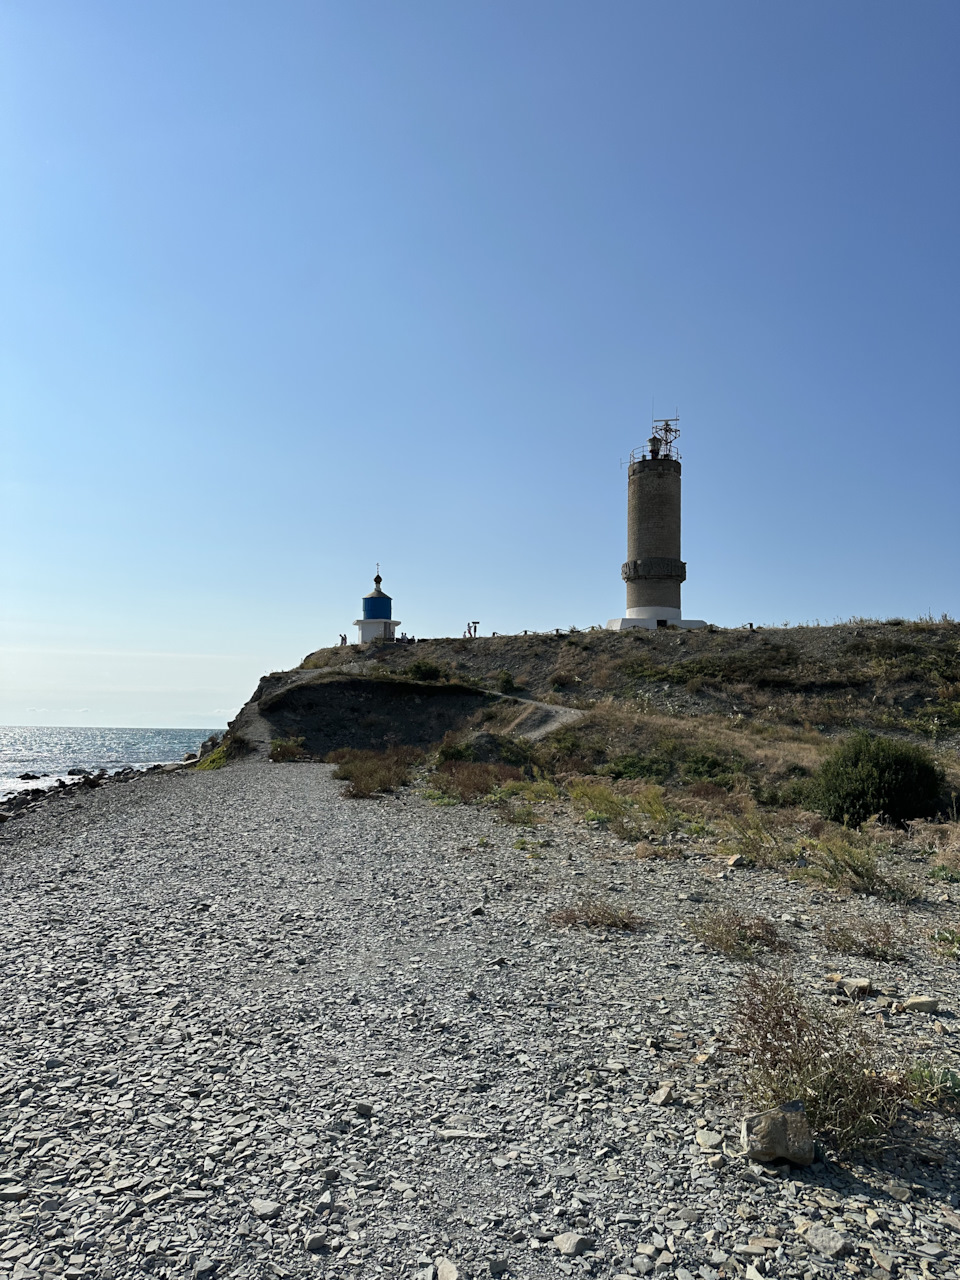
[(250, 1028)]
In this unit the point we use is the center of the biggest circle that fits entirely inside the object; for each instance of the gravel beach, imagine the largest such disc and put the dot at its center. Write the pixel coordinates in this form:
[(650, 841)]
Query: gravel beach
[(251, 1028)]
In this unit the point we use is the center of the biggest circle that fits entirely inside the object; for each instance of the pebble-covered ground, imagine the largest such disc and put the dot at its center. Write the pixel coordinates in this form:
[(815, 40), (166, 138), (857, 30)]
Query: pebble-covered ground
[(251, 1028)]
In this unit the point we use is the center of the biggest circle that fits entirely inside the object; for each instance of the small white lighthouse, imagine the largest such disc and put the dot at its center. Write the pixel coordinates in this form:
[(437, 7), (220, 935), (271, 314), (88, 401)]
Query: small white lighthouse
[(377, 622)]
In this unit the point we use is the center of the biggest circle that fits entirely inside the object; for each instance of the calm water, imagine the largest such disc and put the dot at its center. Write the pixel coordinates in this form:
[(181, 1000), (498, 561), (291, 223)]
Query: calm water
[(52, 751)]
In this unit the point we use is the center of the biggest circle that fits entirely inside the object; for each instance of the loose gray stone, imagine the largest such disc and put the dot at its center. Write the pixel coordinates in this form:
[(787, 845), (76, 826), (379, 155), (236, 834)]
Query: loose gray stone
[(825, 1241), (571, 1244), (266, 1210), (780, 1134), (855, 988), (921, 1004), (708, 1139)]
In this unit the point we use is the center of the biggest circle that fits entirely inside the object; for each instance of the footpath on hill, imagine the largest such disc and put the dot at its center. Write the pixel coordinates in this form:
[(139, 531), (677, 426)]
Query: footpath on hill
[(251, 1028)]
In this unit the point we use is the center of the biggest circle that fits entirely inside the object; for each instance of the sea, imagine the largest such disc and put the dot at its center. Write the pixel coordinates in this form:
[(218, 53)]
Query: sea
[(50, 751)]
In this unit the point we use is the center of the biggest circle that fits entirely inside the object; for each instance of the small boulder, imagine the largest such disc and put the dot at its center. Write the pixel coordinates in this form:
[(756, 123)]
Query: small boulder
[(782, 1133), (827, 1242), (709, 1140), (855, 988), (265, 1210), (663, 1097), (446, 1270), (921, 1004), (571, 1244)]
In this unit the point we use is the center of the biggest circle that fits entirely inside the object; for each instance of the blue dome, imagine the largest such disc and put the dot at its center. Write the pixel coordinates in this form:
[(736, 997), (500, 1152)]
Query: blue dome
[(377, 604)]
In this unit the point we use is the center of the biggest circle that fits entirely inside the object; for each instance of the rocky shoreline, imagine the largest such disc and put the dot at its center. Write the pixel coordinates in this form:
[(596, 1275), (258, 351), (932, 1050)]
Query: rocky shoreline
[(19, 802), (251, 1028)]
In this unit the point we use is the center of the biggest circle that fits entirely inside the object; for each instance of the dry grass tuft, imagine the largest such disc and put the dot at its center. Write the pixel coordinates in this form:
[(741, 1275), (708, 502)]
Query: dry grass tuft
[(596, 914), (874, 940), (469, 780), (733, 934), (756, 837), (793, 1051), (372, 772)]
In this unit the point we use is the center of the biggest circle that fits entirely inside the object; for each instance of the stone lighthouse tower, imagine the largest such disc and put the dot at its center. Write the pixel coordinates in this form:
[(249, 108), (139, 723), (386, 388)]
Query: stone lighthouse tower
[(654, 571)]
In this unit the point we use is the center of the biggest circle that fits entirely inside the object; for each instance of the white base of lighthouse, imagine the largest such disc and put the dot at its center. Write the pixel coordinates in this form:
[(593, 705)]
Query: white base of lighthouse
[(652, 616), (376, 629)]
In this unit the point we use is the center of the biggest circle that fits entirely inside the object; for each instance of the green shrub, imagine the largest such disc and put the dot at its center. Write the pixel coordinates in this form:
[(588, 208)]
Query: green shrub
[(672, 759), (285, 749), (523, 815), (217, 758), (945, 943), (424, 669), (868, 775), (229, 749), (538, 789), (505, 681), (570, 749), (934, 1086), (561, 680), (846, 861)]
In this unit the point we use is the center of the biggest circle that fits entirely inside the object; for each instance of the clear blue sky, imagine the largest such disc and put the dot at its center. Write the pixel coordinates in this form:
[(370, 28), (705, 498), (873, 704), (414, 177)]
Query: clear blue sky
[(290, 288)]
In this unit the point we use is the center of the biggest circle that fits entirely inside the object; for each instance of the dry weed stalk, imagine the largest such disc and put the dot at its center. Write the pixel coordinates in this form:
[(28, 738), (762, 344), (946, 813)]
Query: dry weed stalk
[(734, 934), (596, 914), (791, 1050), (874, 940), (372, 772)]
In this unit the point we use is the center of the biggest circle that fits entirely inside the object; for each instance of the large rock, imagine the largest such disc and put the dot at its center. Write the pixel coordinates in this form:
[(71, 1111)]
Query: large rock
[(780, 1134)]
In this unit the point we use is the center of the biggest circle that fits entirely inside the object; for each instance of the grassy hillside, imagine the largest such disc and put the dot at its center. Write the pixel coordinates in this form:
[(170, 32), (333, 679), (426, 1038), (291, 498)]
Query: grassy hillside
[(893, 676), (721, 721)]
